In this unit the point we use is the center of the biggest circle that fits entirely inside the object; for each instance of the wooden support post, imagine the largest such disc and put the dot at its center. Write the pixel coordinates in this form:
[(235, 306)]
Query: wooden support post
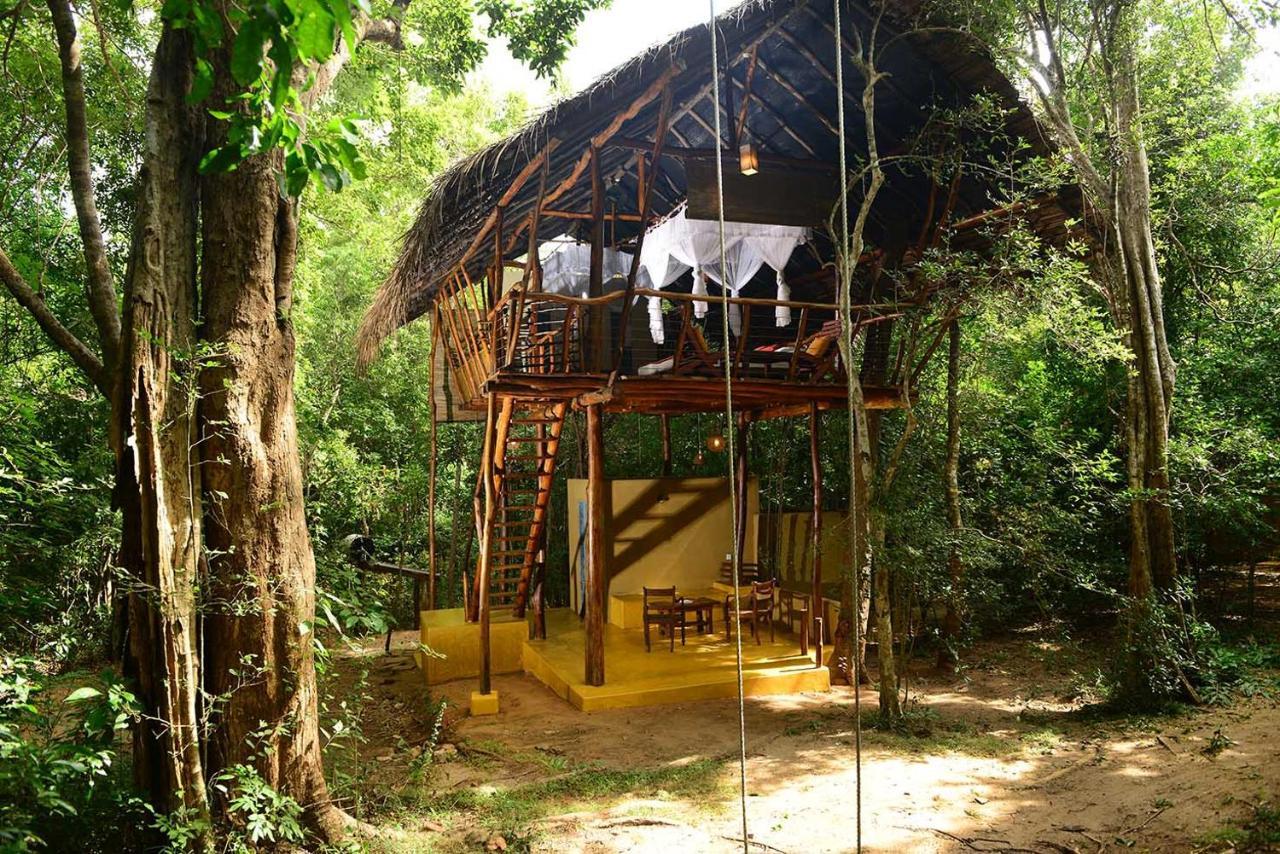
[(646, 189), (817, 633), (596, 486), (740, 475), (815, 444), (595, 287), (486, 541), (804, 629), (665, 421), (431, 476), (495, 285)]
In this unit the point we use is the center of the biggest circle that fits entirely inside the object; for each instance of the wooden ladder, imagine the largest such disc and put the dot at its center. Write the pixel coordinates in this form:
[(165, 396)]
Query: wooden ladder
[(528, 437)]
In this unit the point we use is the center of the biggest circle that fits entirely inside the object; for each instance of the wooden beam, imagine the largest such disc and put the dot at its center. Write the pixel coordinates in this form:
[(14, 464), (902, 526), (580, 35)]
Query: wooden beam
[(729, 157), (665, 422), (740, 476), (596, 508), (815, 460), (598, 315), (619, 119), (849, 50), (586, 215), (746, 93), (514, 187), (486, 543), (659, 142), (799, 96), (784, 126), (744, 50)]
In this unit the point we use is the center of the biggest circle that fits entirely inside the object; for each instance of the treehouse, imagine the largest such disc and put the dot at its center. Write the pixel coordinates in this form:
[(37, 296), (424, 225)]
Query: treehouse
[(602, 260)]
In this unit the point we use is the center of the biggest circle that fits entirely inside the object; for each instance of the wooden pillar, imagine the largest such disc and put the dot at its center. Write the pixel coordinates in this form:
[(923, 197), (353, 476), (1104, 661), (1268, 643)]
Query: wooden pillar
[(431, 477), (599, 315), (486, 541), (740, 476), (495, 284), (665, 421), (596, 486), (815, 457)]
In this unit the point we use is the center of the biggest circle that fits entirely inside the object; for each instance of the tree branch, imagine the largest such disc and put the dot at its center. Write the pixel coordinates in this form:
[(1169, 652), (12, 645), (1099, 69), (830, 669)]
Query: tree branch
[(101, 291), (84, 358)]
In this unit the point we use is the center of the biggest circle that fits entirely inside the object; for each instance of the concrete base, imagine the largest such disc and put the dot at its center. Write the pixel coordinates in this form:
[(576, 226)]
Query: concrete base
[(453, 645), (484, 704)]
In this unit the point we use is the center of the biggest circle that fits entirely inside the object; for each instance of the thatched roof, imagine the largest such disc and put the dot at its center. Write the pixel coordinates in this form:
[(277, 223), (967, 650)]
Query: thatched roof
[(791, 115)]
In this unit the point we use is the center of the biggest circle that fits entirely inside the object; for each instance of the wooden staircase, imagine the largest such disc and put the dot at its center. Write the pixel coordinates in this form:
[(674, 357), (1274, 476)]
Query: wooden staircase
[(526, 438)]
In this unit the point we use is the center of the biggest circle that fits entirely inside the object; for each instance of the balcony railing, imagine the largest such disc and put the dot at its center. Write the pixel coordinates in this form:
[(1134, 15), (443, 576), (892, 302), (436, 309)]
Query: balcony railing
[(547, 334)]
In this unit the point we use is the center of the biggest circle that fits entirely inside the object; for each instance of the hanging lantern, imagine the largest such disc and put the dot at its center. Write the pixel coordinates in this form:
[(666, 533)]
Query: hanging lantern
[(715, 443), (699, 458), (748, 159)]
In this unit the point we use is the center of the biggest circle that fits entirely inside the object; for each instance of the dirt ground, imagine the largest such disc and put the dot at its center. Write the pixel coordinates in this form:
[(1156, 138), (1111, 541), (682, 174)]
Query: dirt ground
[(998, 760)]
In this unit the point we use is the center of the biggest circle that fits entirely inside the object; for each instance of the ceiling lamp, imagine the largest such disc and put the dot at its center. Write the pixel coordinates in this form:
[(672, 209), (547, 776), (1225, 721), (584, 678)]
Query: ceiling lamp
[(715, 442), (748, 159)]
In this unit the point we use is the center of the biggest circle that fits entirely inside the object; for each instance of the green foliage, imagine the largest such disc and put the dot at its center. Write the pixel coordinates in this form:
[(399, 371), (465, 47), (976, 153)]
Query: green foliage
[(259, 812), (535, 30), (278, 46), (58, 758)]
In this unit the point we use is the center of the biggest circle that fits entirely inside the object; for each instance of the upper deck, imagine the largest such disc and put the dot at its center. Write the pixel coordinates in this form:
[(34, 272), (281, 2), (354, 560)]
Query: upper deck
[(783, 356)]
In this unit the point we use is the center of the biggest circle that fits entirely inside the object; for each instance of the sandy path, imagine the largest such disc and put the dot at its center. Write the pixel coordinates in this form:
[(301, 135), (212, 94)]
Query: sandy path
[(1019, 775)]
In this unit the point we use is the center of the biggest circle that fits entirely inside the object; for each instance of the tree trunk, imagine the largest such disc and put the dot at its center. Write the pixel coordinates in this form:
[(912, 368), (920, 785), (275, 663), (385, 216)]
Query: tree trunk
[(153, 435), (1153, 365), (951, 623), (1127, 266), (260, 668)]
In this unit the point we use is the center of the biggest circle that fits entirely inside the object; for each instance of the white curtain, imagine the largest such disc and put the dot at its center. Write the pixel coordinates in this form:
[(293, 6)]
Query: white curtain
[(675, 246), (567, 270), (679, 243)]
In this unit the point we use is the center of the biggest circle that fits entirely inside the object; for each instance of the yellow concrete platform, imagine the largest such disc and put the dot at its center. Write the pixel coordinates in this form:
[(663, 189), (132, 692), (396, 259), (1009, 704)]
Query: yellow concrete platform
[(453, 645), (484, 704), (703, 669)]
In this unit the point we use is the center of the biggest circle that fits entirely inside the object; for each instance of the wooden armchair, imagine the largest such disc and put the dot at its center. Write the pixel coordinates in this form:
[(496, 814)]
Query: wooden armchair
[(693, 355), (760, 603), (661, 608)]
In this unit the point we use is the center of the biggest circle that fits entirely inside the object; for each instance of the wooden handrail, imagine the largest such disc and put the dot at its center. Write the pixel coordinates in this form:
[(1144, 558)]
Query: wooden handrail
[(674, 296)]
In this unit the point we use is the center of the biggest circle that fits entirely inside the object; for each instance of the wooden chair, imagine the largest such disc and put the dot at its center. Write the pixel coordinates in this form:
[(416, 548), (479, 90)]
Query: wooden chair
[(761, 601), (660, 609), (747, 573)]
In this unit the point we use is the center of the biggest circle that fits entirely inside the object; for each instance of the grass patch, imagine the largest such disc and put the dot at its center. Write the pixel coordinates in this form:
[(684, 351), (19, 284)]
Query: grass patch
[(511, 811), (923, 731), (1258, 831)]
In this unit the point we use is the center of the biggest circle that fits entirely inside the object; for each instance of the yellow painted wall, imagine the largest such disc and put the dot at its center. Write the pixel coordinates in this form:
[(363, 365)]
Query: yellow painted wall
[(663, 532), (453, 645), (786, 542)]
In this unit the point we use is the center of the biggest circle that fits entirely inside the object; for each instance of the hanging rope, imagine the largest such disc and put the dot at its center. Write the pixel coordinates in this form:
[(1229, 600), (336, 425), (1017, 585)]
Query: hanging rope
[(846, 310), (730, 432)]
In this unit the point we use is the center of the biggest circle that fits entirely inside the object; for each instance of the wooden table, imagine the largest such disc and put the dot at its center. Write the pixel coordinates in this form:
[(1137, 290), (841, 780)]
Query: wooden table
[(703, 610)]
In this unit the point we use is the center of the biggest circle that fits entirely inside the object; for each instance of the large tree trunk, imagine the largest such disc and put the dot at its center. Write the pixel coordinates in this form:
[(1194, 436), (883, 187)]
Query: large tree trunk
[(951, 622), (158, 488), (1152, 364), (259, 658), (1126, 266)]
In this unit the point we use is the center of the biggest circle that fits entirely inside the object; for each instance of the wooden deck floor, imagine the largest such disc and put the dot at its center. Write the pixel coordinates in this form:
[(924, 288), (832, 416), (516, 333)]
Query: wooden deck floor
[(702, 669)]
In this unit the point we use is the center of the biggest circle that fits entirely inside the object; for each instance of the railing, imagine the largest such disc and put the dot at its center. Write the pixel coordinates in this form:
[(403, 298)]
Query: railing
[(548, 334)]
